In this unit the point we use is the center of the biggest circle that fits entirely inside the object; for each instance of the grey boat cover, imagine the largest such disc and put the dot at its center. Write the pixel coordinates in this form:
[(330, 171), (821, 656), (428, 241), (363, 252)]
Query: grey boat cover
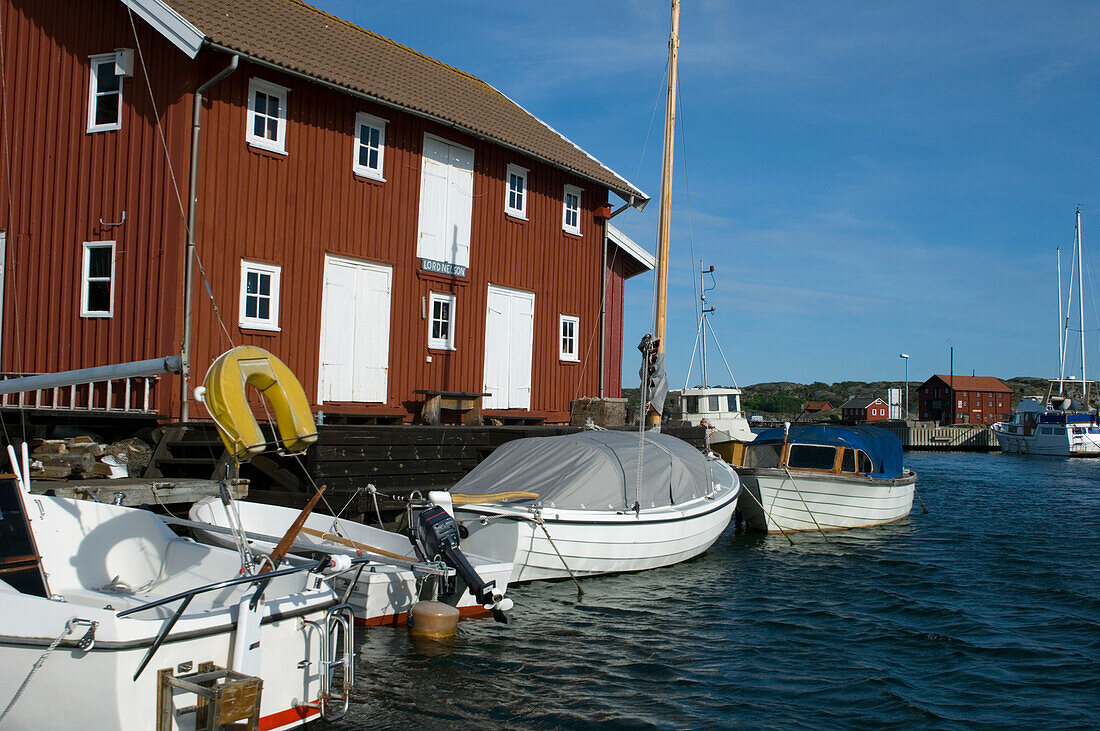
[(594, 470)]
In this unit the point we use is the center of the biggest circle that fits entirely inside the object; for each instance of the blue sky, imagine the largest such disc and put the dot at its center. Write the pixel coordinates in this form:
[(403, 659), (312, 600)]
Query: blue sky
[(867, 178)]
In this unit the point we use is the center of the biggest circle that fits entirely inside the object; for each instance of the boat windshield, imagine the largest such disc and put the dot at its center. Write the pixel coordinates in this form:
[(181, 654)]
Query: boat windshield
[(811, 457), (762, 455)]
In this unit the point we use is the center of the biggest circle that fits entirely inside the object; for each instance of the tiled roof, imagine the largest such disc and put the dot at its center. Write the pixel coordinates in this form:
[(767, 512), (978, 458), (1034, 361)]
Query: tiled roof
[(816, 406), (302, 39), (974, 383)]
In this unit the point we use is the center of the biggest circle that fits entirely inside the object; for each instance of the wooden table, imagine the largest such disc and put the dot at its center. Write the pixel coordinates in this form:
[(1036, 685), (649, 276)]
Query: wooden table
[(468, 402)]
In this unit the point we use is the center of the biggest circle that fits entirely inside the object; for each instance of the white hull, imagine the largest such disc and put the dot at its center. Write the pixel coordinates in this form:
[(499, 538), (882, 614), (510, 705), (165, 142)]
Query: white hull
[(1049, 445), (383, 593), (598, 541), (793, 502), (103, 559)]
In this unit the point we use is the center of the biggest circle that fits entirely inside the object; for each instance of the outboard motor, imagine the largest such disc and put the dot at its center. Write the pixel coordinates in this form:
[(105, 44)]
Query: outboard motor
[(437, 535)]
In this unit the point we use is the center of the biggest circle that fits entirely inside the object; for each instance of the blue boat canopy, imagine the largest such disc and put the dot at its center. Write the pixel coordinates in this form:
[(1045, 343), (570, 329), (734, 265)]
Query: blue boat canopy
[(881, 446)]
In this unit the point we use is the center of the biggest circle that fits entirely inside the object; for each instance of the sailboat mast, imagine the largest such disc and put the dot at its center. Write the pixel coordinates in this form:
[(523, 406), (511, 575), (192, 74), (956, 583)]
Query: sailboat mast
[(1081, 304), (666, 190), (1061, 331), (703, 324)]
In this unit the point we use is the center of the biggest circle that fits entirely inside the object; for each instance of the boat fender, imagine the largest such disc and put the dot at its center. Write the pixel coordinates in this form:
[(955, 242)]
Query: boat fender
[(442, 498), (226, 398), (432, 620), (338, 563)]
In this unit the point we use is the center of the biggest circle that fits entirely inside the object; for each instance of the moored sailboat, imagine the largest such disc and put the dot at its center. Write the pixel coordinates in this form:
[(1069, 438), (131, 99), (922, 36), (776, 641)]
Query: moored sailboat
[(1058, 426)]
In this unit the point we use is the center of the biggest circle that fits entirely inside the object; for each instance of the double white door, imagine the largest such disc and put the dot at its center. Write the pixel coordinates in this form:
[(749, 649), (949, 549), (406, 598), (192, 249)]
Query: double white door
[(355, 331), (509, 332), (446, 202)]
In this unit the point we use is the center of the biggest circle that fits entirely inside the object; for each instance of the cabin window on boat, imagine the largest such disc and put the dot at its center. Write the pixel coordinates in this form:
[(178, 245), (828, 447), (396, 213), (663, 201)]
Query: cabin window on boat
[(811, 457), (568, 328), (865, 466), (762, 455), (266, 116), (515, 195), (441, 324), (1045, 430), (848, 461), (571, 210), (370, 146), (97, 287), (259, 302), (105, 94)]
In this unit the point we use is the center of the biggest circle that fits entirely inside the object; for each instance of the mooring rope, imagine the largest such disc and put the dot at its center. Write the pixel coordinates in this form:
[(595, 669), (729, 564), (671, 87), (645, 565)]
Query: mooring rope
[(767, 515), (804, 504), (37, 664), (542, 524)]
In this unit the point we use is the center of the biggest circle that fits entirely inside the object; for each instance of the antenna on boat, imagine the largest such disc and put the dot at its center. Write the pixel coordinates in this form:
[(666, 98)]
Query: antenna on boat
[(703, 312), (701, 333)]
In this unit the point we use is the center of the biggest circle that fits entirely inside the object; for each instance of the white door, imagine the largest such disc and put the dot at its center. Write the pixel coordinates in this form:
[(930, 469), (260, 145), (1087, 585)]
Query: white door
[(446, 201), (509, 334), (355, 331)]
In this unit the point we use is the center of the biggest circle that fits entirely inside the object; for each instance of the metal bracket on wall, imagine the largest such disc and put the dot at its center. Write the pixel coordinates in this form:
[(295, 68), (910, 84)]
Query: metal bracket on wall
[(108, 223)]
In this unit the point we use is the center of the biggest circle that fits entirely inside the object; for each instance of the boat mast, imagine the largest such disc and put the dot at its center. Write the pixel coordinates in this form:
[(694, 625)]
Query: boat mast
[(1061, 330), (666, 191), (1081, 305), (703, 323)]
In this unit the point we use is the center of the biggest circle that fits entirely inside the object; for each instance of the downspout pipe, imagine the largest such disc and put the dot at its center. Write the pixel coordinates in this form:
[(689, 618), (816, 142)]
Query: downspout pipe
[(189, 275), (603, 295)]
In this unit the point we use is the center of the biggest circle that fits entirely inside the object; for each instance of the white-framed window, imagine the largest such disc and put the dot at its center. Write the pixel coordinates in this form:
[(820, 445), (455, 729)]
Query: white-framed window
[(571, 210), (104, 94), (370, 146), (97, 280), (515, 192), (259, 307), (441, 321), (568, 329), (266, 116)]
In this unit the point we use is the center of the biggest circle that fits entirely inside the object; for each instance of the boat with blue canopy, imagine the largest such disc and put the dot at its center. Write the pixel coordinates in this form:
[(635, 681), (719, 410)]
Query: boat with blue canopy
[(823, 478)]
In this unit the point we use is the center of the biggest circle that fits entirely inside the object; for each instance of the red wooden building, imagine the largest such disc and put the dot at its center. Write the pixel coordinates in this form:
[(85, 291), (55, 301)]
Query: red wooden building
[(381, 221), (964, 400), (864, 409)]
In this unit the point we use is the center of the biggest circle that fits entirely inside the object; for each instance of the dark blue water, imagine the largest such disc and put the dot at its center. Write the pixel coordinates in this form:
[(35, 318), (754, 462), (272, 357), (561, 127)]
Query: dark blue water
[(983, 612)]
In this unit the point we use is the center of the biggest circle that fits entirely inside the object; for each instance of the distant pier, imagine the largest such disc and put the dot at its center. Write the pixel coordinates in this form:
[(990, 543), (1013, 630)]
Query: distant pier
[(928, 436), (921, 435)]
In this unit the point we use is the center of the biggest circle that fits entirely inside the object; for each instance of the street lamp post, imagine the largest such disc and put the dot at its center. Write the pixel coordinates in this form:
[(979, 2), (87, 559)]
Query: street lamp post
[(905, 357)]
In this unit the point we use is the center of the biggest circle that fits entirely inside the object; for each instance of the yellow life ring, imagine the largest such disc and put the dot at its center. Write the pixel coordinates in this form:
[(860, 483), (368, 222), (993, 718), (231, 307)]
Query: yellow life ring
[(227, 401)]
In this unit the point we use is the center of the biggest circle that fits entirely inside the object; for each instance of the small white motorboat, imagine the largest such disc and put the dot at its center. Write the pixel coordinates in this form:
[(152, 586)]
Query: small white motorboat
[(594, 502), (383, 592), (823, 478), (111, 620)]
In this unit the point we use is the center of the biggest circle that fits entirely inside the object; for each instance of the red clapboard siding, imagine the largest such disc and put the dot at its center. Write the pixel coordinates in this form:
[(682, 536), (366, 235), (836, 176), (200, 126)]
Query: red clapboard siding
[(290, 210)]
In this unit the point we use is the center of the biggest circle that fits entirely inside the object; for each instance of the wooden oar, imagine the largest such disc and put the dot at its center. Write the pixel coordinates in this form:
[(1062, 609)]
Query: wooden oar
[(352, 544), (490, 497), (284, 545)]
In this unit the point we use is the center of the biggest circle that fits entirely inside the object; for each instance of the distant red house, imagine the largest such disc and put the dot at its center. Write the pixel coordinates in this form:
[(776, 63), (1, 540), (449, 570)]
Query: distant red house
[(865, 409), (812, 407), (964, 399)]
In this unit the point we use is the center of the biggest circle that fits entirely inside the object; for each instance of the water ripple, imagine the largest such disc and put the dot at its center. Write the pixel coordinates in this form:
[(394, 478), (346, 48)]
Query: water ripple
[(985, 612)]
